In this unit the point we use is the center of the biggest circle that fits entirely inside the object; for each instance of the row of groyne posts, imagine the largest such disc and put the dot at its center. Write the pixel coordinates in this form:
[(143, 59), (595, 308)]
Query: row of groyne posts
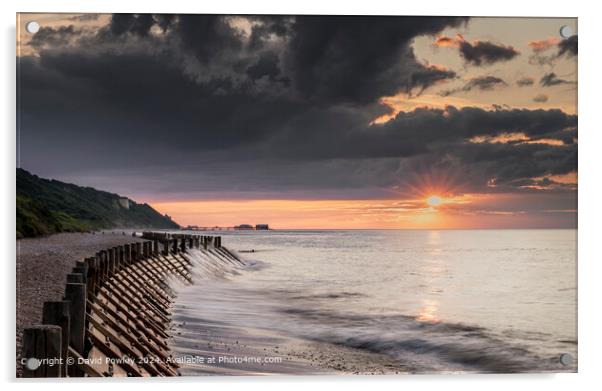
[(114, 318)]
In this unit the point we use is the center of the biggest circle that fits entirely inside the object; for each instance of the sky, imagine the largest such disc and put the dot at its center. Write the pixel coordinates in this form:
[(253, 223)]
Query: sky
[(308, 121)]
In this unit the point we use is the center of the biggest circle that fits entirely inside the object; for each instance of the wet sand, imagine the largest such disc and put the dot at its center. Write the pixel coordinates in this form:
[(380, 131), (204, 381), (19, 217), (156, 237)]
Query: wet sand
[(215, 349), (42, 267)]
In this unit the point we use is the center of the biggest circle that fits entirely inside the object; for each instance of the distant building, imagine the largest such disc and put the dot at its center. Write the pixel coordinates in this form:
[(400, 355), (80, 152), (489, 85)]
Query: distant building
[(262, 227), (243, 226)]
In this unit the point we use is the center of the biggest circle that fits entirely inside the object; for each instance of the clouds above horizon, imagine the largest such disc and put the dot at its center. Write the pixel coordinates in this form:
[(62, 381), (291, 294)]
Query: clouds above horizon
[(276, 104), (478, 53), (482, 83), (546, 52), (551, 79)]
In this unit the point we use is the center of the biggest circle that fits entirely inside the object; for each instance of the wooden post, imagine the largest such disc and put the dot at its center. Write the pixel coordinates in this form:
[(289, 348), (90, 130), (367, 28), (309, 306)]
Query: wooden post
[(183, 245), (75, 278), (124, 261), (132, 252), (98, 265), (165, 243), (81, 268), (92, 276), (101, 264), (111, 261), (80, 264), (138, 251), (41, 351), (76, 294), (155, 246), (118, 258), (80, 271), (127, 254), (104, 263), (175, 245), (57, 313)]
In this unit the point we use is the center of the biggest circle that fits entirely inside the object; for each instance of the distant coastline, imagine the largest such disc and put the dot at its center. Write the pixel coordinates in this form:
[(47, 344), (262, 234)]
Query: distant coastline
[(47, 206)]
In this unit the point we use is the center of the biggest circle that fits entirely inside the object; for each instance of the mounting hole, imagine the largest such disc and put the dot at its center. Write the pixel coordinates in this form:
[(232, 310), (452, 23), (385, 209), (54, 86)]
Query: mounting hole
[(32, 364), (566, 31), (566, 359), (32, 27)]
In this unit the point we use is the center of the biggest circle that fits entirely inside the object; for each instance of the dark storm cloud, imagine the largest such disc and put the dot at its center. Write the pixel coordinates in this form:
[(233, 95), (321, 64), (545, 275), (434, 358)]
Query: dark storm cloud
[(478, 53), (268, 27), (426, 77), (545, 183), (525, 81), (139, 24), (50, 36), (164, 21), (566, 136), (482, 83), (551, 79), (360, 59), (196, 98), (424, 127), (207, 36), (509, 163), (568, 47), (486, 53), (341, 58), (267, 65), (204, 36)]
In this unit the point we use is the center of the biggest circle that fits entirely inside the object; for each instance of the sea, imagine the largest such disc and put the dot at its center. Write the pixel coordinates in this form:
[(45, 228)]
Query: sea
[(436, 301)]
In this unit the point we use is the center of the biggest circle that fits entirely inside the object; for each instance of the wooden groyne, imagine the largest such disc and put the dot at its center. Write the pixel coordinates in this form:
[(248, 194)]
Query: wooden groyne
[(114, 318)]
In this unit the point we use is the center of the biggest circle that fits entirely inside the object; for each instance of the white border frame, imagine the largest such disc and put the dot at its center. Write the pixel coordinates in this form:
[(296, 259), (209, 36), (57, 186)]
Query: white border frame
[(590, 143)]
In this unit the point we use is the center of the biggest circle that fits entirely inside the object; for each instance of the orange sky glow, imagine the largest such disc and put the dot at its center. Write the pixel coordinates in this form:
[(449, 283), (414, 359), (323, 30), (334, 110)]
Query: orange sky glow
[(449, 212)]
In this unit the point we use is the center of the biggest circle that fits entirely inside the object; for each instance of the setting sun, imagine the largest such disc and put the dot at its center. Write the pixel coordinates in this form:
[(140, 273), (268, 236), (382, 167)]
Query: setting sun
[(434, 200)]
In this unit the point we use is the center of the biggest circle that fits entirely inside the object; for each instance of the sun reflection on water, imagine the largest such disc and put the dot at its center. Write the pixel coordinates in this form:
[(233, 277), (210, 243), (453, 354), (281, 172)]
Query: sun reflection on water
[(428, 312)]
